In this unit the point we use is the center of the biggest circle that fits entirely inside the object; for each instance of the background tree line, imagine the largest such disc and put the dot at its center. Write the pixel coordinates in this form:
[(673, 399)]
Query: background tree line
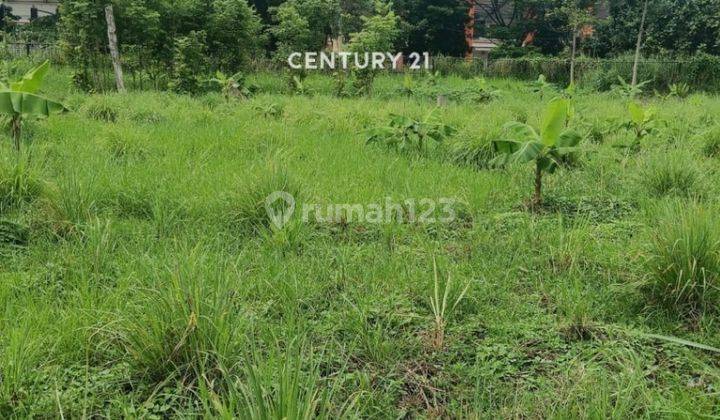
[(191, 37)]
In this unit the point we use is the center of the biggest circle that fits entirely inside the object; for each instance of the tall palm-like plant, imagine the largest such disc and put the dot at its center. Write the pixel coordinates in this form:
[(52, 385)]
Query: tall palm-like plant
[(19, 100), (550, 147)]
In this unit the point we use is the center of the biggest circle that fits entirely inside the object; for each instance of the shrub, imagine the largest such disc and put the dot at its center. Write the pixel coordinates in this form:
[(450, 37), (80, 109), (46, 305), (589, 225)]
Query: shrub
[(684, 259)]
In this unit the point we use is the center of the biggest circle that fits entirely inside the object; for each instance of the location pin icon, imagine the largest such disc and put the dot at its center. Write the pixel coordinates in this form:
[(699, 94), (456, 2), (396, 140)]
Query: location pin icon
[(280, 207)]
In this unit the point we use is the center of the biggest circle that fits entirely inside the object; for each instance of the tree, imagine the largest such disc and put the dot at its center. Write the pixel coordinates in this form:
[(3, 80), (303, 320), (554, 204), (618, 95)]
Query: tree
[(351, 14), (578, 14), (292, 31), (379, 34), (680, 27), (304, 25), (434, 26), (6, 17), (524, 23), (232, 31)]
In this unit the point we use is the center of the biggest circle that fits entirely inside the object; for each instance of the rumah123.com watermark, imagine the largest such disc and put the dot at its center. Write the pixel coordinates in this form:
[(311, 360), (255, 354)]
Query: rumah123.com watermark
[(281, 207), (353, 60)]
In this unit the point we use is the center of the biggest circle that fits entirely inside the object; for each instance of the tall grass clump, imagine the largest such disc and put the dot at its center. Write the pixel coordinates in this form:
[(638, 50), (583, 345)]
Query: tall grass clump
[(249, 213), (186, 326), (475, 151), (18, 184), (711, 142), (684, 259), (672, 175), (102, 110), (266, 389)]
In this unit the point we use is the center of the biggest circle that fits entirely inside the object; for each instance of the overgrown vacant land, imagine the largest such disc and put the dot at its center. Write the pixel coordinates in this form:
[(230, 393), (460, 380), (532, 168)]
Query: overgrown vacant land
[(141, 276)]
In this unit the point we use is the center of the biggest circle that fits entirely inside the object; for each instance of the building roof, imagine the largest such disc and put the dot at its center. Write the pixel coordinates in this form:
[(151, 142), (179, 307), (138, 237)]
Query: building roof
[(484, 44)]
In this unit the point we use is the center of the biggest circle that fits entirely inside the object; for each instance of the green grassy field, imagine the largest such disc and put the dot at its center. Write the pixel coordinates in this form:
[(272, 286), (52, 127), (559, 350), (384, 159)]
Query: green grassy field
[(139, 275)]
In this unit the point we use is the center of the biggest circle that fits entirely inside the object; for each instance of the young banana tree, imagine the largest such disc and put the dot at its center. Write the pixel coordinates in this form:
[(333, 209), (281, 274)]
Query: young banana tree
[(642, 121), (551, 147), (231, 86), (19, 100)]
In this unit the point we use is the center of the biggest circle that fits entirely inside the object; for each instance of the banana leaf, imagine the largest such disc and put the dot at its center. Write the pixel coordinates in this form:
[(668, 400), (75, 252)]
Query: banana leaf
[(31, 81), (23, 103)]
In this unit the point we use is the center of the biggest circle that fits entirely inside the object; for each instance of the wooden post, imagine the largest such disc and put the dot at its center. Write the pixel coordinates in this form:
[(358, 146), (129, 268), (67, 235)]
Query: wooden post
[(572, 58), (636, 63), (114, 53)]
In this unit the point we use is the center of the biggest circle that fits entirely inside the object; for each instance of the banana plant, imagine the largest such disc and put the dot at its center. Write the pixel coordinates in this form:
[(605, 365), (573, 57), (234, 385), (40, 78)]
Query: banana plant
[(642, 122), (19, 100), (543, 87), (679, 90), (231, 86), (627, 90), (549, 148), (406, 134)]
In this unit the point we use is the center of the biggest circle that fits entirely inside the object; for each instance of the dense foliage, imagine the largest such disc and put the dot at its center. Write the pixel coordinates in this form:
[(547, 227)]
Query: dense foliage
[(152, 32)]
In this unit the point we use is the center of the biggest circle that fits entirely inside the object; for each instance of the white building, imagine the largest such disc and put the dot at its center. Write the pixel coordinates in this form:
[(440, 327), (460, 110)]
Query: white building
[(24, 8)]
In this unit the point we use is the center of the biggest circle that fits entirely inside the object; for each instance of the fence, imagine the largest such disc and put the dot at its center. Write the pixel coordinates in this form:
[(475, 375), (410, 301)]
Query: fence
[(700, 72), (32, 49)]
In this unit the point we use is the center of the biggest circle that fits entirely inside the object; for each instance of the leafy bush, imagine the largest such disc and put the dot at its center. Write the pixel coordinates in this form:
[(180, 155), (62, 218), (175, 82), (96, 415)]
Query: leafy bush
[(544, 88), (232, 86), (641, 122), (476, 91), (684, 259), (626, 90), (271, 110), (679, 90), (407, 134)]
